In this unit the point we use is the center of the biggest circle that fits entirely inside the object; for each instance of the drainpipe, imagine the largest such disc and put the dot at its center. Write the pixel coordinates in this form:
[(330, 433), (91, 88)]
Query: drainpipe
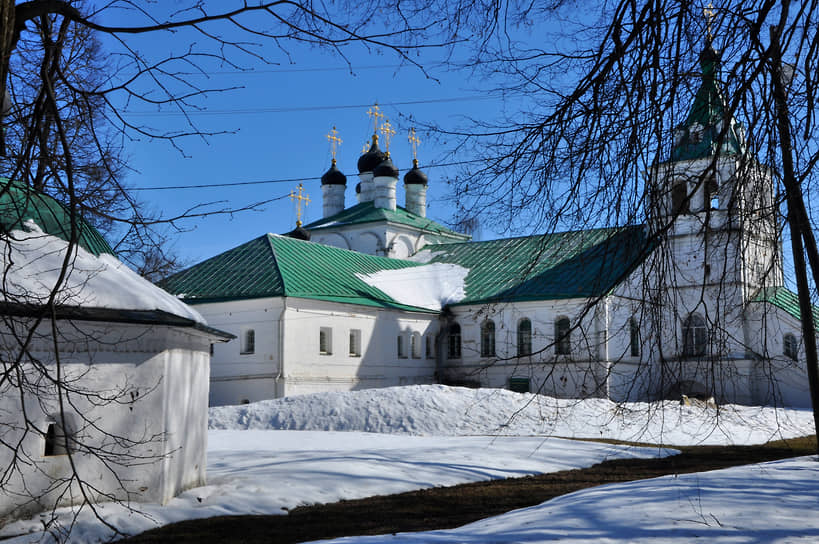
[(280, 374)]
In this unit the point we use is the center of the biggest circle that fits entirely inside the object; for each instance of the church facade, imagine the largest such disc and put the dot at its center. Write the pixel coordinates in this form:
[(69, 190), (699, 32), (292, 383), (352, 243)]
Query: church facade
[(691, 303)]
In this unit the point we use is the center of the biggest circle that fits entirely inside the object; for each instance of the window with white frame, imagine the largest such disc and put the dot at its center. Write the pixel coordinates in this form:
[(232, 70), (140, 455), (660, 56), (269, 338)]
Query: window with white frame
[(488, 338), (634, 337), (415, 345), (563, 338), (695, 336), (402, 347), (355, 343), (325, 341), (248, 342), (454, 342), (524, 337), (790, 347)]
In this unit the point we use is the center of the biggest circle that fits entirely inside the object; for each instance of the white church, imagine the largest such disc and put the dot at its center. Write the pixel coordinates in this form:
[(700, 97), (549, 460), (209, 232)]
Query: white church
[(692, 302)]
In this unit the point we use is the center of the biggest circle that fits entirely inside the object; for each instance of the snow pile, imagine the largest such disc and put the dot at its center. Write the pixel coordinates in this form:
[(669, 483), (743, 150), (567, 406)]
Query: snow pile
[(429, 286), (33, 260), (451, 411)]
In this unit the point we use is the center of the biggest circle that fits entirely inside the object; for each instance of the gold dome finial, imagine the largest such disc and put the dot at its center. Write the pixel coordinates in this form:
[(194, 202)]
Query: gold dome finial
[(299, 199), (335, 141), (709, 13), (414, 142), (375, 114), (387, 132)]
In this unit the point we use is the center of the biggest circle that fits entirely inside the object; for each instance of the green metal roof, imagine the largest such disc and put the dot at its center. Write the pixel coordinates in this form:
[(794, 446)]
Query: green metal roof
[(552, 266), (699, 136), (785, 299), (366, 212), (272, 266), (19, 203)]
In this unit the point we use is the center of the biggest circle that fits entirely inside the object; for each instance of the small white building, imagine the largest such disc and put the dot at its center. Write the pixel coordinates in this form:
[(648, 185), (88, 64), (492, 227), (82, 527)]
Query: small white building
[(692, 302), (103, 394)]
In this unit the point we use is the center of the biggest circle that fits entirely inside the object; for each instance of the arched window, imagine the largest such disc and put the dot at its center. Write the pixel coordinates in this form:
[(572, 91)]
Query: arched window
[(453, 348), (524, 337), (679, 198), (563, 339), (695, 336), (488, 338), (634, 340), (249, 341), (790, 347)]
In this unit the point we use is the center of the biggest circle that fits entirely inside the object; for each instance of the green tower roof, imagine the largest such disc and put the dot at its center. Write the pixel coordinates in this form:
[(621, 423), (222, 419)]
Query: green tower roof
[(20, 203), (700, 136)]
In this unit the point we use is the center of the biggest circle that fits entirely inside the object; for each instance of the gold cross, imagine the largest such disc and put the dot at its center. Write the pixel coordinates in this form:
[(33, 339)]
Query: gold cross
[(298, 199), (388, 132), (708, 11), (365, 148), (414, 141), (375, 114), (335, 141)]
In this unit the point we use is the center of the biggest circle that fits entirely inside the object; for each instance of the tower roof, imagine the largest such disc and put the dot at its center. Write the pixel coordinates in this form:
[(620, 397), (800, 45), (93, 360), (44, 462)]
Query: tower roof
[(372, 158), (333, 176), (701, 135), (416, 176)]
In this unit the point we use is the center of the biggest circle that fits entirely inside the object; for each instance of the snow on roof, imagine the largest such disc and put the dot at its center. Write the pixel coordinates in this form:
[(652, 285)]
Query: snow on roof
[(32, 261), (429, 286)]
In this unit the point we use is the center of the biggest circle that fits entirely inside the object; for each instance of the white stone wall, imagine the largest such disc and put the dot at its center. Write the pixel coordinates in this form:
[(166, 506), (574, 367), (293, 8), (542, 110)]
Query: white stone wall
[(288, 360), (145, 385)]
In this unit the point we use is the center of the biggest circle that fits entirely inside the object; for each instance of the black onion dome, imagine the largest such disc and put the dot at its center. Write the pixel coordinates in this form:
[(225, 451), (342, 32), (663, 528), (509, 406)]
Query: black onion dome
[(333, 176), (299, 233), (386, 169), (415, 176), (372, 158), (358, 188)]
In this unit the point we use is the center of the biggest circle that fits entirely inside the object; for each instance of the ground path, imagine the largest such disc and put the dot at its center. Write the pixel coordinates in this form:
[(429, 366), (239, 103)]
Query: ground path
[(448, 507)]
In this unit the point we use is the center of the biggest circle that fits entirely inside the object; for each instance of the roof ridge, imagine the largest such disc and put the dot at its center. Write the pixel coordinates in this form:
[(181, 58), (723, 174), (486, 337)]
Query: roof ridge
[(269, 239)]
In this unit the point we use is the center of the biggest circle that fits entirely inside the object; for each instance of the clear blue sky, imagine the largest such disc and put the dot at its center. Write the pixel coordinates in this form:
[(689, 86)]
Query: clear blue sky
[(279, 119)]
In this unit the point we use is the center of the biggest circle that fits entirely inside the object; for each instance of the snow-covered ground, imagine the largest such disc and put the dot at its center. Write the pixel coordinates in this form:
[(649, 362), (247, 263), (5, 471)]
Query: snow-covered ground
[(267, 457)]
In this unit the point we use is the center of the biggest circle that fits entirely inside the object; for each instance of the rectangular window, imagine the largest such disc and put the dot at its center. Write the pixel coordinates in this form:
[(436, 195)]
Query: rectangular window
[(402, 348), (355, 343), (430, 349), (248, 342), (326, 341)]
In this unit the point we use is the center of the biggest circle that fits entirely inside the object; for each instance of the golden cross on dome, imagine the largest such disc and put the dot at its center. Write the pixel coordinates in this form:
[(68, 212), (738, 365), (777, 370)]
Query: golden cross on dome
[(335, 141), (298, 199), (709, 13), (375, 114), (388, 132), (414, 141)]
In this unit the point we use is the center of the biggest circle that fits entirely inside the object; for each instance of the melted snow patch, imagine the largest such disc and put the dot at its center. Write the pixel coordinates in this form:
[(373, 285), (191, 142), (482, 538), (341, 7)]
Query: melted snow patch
[(429, 286)]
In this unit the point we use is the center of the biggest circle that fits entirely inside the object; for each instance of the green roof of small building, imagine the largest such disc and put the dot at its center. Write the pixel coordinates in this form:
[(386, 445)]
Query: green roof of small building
[(20, 203), (787, 300), (366, 212), (699, 136), (274, 266), (562, 265)]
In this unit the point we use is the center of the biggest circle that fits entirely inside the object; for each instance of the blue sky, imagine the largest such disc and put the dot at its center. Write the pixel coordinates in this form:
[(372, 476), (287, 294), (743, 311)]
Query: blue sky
[(278, 121)]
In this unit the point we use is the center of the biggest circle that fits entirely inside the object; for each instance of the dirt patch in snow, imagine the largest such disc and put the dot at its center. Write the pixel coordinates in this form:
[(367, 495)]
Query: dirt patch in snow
[(448, 507)]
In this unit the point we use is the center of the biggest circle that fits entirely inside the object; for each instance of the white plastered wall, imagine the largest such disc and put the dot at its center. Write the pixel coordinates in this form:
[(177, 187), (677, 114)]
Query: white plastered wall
[(147, 385)]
